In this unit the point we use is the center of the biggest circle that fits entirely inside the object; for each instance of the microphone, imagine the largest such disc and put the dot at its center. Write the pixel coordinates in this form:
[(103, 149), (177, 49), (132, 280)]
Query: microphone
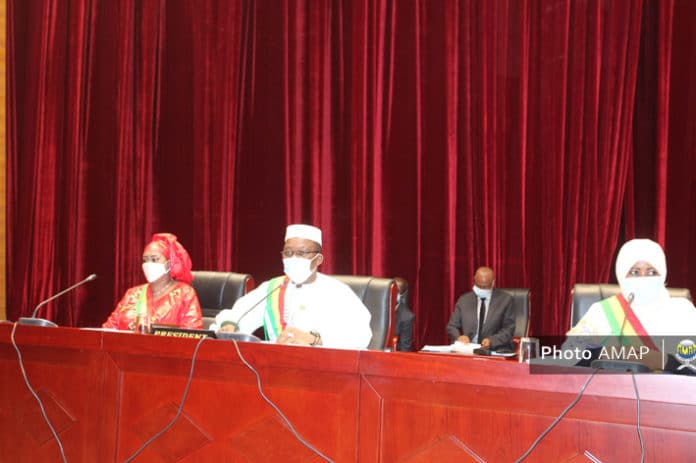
[(42, 322), (242, 336)]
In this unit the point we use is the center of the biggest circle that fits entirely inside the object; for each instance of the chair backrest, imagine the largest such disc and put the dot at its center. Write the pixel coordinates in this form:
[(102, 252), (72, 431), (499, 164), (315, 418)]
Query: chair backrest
[(521, 304), (219, 290), (586, 294), (379, 296)]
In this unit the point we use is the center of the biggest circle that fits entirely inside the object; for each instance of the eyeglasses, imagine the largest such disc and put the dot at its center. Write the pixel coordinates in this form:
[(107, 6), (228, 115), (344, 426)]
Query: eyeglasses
[(288, 253)]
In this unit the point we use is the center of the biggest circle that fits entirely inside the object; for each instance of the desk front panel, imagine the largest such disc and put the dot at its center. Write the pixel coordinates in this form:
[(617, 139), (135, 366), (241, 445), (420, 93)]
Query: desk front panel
[(224, 414), (64, 368), (444, 408)]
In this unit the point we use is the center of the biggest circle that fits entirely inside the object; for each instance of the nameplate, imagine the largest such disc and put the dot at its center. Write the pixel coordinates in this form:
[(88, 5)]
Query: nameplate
[(176, 332)]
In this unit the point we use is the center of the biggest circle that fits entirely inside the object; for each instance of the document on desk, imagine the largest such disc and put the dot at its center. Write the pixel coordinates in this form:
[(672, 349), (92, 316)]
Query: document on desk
[(458, 347), (463, 348)]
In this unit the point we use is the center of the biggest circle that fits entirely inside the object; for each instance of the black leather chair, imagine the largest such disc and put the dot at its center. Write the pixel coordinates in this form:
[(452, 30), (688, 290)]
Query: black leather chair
[(521, 304), (379, 296), (219, 290), (586, 294)]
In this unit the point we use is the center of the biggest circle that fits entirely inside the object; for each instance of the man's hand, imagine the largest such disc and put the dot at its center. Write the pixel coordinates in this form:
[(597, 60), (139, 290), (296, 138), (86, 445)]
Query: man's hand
[(486, 343), (464, 339), (292, 335)]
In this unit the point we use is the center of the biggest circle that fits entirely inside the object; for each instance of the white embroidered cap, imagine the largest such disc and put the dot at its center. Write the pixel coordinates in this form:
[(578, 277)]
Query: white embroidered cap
[(307, 232)]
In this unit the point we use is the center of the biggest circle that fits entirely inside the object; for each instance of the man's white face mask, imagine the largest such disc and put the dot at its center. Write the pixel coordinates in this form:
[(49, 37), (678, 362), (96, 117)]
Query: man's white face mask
[(481, 293), (298, 269), (154, 270), (644, 290)]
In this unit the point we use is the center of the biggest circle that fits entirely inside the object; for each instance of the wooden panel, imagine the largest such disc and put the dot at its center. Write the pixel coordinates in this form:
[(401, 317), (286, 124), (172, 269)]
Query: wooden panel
[(225, 416), (434, 408), (64, 372)]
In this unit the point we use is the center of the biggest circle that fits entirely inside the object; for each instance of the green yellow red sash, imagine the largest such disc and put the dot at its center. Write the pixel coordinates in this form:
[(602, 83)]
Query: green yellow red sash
[(624, 322), (141, 305), (273, 319)]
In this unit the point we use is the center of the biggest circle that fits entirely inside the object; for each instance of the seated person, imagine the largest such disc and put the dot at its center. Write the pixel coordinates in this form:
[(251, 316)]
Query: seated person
[(167, 298), (304, 306), (643, 310), (485, 315), (404, 318)]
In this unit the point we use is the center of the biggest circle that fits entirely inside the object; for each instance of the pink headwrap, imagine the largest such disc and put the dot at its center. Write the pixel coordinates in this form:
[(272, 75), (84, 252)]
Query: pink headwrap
[(178, 257)]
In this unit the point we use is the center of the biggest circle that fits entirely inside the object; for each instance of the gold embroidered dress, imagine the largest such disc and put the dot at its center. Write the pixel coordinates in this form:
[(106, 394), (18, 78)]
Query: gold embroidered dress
[(178, 306)]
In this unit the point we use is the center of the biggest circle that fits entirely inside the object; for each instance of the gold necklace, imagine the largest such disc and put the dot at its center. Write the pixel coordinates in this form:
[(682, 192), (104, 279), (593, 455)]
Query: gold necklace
[(158, 293)]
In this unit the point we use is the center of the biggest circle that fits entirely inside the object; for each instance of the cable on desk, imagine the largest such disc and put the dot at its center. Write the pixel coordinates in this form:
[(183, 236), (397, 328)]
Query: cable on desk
[(640, 434), (181, 405), (275, 407), (558, 418), (36, 396)]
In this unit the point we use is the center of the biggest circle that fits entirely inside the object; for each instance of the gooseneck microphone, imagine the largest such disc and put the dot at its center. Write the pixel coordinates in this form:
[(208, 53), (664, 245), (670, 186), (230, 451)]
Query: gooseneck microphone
[(42, 322), (284, 283), (243, 336)]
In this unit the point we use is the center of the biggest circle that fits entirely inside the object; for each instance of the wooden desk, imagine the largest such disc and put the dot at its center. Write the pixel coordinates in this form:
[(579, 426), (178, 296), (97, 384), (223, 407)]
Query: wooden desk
[(107, 393)]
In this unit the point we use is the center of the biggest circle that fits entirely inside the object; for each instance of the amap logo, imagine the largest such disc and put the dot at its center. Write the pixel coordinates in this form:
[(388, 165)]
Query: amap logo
[(686, 354)]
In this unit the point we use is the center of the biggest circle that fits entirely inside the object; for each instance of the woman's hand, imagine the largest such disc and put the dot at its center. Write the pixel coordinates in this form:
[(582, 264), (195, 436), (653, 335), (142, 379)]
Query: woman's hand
[(228, 328)]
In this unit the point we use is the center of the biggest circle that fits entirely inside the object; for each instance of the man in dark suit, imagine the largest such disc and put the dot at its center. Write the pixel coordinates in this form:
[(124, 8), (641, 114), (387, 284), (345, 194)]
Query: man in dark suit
[(484, 315), (404, 318)]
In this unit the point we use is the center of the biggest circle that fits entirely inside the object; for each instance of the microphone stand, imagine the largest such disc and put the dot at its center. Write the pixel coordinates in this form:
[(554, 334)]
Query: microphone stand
[(237, 336), (34, 321)]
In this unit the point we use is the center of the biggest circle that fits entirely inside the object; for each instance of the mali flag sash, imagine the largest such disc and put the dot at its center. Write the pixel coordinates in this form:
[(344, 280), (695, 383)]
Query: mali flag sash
[(624, 322), (273, 318), (141, 305)]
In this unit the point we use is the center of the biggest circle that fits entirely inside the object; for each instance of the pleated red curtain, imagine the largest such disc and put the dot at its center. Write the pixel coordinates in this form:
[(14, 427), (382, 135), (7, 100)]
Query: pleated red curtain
[(660, 202), (425, 138)]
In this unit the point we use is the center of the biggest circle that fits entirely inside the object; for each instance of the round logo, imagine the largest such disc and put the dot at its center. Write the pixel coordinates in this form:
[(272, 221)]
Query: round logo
[(686, 350)]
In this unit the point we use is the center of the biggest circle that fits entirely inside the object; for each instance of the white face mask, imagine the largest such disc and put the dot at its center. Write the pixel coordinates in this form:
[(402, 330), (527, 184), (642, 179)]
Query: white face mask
[(483, 292), (645, 290), (298, 269), (154, 270)]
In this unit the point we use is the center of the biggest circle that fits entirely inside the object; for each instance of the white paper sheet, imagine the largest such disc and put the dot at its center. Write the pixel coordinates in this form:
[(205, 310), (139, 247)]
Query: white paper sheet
[(458, 347)]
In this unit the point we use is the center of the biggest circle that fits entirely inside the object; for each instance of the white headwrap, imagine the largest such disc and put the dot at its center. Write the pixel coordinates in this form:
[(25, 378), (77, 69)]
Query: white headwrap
[(636, 250), (306, 232)]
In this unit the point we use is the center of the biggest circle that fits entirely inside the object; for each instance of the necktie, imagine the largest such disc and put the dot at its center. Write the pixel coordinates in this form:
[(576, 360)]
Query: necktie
[(482, 315)]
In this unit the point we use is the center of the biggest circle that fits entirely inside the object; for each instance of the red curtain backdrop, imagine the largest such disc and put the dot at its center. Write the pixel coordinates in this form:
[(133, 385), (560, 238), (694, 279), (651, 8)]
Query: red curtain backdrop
[(424, 138)]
